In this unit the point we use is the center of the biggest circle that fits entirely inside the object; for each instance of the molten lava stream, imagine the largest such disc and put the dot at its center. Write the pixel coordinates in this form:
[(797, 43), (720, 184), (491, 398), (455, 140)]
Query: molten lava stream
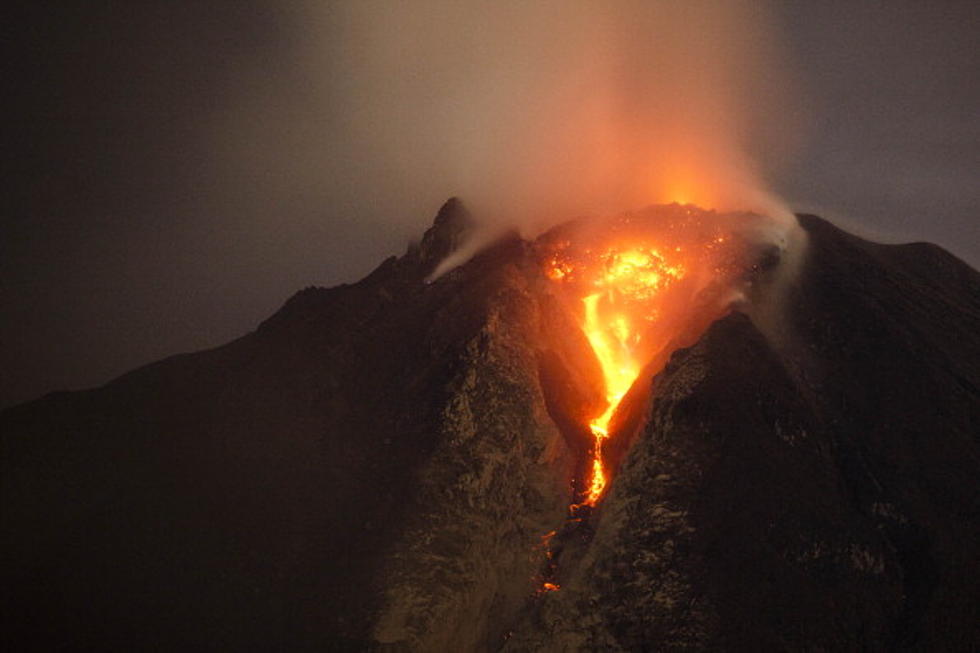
[(612, 346), (639, 282), (630, 282)]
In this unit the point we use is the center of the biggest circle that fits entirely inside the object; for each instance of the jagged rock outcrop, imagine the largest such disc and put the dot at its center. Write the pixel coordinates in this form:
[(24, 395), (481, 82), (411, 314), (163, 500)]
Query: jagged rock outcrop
[(375, 466)]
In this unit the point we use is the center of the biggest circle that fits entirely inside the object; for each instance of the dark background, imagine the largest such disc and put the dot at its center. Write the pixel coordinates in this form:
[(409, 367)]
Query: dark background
[(138, 223)]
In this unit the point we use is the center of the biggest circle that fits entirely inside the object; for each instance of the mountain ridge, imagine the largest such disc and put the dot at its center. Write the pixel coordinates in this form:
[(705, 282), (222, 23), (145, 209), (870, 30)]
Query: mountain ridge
[(375, 465)]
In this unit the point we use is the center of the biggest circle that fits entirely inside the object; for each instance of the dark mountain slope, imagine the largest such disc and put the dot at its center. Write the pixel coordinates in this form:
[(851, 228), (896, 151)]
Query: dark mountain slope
[(820, 493), (242, 498), (376, 464)]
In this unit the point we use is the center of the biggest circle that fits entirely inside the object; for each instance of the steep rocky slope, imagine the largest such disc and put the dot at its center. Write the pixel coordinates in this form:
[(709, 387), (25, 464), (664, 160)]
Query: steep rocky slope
[(376, 465), (375, 462), (819, 492)]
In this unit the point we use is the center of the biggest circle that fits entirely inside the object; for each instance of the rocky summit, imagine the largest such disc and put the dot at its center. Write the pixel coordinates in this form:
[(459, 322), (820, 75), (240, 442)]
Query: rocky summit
[(389, 465)]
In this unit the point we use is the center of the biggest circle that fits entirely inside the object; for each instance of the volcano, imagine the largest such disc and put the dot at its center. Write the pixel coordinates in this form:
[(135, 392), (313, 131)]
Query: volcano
[(410, 462)]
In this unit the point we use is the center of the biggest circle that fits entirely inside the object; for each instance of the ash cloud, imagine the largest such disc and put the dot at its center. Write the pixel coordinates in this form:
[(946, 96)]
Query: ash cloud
[(537, 112)]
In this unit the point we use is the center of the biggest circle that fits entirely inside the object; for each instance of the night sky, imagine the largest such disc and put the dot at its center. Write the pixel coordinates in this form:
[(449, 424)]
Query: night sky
[(175, 173)]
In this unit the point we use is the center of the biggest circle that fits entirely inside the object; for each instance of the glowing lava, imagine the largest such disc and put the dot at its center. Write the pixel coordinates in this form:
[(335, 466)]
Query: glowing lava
[(634, 283), (630, 277), (642, 285)]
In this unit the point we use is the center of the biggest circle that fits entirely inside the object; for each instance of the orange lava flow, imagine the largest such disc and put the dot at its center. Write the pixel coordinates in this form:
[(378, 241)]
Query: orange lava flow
[(629, 277), (639, 284)]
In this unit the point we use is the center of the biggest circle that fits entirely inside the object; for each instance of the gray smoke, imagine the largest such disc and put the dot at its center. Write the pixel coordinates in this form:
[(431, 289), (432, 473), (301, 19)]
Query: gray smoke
[(536, 112)]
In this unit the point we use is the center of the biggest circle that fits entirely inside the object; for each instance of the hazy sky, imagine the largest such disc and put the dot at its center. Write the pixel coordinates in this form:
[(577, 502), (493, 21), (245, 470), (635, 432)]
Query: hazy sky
[(175, 173)]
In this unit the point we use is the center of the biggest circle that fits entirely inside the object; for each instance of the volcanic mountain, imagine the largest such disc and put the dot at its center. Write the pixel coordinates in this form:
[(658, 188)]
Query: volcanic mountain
[(468, 462)]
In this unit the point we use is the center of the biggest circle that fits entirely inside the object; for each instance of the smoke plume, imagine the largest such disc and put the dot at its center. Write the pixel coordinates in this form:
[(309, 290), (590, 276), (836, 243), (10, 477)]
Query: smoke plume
[(535, 112), (532, 113)]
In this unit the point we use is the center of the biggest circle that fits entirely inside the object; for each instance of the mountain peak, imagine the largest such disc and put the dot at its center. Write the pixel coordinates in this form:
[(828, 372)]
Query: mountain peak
[(451, 225), (390, 464)]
